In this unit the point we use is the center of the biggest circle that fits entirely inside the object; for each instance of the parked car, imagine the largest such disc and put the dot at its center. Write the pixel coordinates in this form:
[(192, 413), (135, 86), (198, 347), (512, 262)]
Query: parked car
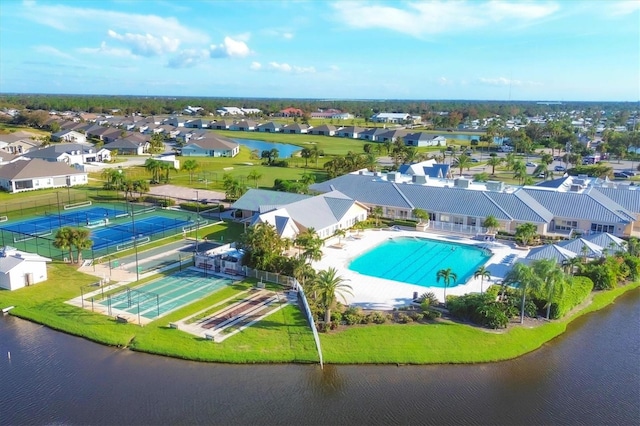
[(620, 175), (530, 164), (559, 169), (475, 160), (630, 173)]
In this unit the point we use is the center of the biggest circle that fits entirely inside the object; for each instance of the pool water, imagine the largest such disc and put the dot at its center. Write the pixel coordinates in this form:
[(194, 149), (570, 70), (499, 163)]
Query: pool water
[(417, 261)]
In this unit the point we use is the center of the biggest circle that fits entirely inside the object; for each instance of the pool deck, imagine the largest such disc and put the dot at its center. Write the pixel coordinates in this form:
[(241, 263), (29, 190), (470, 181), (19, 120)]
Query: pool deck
[(378, 293)]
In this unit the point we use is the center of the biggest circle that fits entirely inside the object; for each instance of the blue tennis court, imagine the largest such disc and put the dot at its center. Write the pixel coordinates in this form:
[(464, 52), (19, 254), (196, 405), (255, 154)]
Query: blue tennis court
[(122, 236), (164, 295), (78, 217)]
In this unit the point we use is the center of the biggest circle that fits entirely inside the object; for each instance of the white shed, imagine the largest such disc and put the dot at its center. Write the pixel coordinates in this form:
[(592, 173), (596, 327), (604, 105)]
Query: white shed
[(19, 269)]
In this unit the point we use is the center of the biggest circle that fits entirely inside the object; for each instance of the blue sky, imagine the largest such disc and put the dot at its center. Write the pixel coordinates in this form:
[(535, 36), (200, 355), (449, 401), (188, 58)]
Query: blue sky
[(543, 50)]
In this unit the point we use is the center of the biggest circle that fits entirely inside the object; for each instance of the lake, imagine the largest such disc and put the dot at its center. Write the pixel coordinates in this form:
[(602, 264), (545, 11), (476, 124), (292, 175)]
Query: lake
[(589, 375), (285, 150)]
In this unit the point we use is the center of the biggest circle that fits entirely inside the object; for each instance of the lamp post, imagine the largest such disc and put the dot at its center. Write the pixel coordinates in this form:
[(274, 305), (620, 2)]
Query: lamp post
[(197, 217)]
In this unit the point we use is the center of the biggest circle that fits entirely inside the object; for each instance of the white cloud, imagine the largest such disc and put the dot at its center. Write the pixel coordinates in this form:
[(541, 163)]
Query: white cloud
[(420, 19), (334, 68), (105, 49), (188, 58), (286, 68), (147, 44), (255, 66), (287, 36), (503, 81), (74, 19), (444, 81), (50, 50), (230, 48), (622, 7)]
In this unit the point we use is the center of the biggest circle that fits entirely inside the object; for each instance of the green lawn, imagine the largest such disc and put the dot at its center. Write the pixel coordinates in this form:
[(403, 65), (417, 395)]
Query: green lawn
[(446, 341)]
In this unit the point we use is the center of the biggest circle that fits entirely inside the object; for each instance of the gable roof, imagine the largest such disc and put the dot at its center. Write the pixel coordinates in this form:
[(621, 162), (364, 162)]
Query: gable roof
[(627, 198), (263, 200), (212, 141), (36, 168), (551, 251), (366, 189), (576, 245), (321, 211), (54, 151), (605, 240)]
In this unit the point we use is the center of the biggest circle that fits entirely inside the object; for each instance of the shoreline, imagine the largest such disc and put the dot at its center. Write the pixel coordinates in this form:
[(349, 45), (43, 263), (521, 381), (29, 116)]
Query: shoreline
[(532, 340)]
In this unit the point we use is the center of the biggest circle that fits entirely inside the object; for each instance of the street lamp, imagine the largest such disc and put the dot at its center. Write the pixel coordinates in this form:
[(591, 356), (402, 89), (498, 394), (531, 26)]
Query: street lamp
[(197, 217)]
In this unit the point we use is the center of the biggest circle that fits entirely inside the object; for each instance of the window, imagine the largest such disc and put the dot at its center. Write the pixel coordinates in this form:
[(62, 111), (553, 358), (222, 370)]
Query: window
[(566, 225), (597, 227), (444, 218)]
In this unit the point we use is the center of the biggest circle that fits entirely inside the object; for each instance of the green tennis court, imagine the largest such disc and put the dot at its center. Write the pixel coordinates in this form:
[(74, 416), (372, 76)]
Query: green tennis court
[(166, 294)]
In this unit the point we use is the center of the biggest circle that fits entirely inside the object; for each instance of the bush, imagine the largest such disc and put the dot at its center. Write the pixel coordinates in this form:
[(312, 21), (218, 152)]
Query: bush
[(416, 316), (483, 309), (351, 319), (162, 202), (633, 264), (428, 299), (403, 318), (377, 318), (336, 316), (431, 314), (576, 291), (601, 274)]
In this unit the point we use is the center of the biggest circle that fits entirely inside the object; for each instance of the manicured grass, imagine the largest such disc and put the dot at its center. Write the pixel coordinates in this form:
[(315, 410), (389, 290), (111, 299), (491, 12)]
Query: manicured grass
[(446, 341), (283, 336)]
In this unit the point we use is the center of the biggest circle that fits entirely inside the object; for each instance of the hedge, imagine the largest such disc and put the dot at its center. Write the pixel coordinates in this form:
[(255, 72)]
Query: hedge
[(577, 290)]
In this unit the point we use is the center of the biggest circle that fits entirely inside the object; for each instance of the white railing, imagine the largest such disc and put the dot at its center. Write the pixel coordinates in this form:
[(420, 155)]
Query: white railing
[(452, 227)]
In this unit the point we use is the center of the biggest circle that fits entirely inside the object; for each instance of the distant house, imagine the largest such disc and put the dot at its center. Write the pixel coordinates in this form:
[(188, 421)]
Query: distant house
[(323, 130), (221, 124), (19, 269), (392, 135), (295, 128), (229, 111), (69, 136), (372, 134), (130, 145), (270, 127), (290, 112), (391, 117), (70, 153), (424, 139), (192, 110), (197, 124), (211, 146), (325, 113), (19, 146), (174, 121), (352, 132), (29, 175), (244, 126)]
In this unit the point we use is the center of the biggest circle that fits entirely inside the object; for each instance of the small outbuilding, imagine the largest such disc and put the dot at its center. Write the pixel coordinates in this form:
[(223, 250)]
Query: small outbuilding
[(20, 269)]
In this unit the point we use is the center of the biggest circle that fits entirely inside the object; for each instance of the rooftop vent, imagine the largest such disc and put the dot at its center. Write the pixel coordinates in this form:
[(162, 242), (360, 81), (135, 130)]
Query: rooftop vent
[(461, 183), (495, 185), (419, 179)]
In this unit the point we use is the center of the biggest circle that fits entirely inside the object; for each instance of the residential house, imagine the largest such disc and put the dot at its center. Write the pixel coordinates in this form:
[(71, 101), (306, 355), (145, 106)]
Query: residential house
[(372, 134), (192, 110), (352, 132), (69, 136), (211, 146), (325, 113), (229, 111), (244, 126), (174, 121), (28, 175), (323, 130), (70, 153), (269, 127), (131, 145), (19, 142), (295, 128), (424, 139), (221, 124), (197, 124), (392, 135), (290, 112), (19, 269)]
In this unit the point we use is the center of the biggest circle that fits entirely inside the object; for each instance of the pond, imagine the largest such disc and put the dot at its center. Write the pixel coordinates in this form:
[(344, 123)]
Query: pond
[(284, 150)]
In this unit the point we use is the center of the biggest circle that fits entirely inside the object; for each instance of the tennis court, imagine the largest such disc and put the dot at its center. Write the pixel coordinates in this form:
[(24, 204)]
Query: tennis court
[(164, 295)]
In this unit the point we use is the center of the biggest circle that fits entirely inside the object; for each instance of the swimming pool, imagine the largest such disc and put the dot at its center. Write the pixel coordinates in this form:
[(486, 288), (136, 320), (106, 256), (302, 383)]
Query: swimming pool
[(416, 260)]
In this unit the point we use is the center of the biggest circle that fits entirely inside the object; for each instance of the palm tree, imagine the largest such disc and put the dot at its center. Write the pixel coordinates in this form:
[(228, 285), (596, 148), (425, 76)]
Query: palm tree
[(255, 176), (521, 276), (329, 285), (447, 276), (420, 214), (519, 170), (63, 240), (571, 264), (464, 162), (190, 166), (525, 233), (80, 239), (376, 213), (493, 162), (306, 154), (483, 273), (550, 280), (113, 178), (340, 233), (491, 223), (153, 166)]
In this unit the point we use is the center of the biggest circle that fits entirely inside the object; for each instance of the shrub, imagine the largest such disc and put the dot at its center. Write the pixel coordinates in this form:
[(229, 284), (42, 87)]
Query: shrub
[(633, 264), (403, 318), (351, 319), (431, 314), (378, 318), (416, 316), (576, 291), (336, 316), (603, 277), (428, 299)]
